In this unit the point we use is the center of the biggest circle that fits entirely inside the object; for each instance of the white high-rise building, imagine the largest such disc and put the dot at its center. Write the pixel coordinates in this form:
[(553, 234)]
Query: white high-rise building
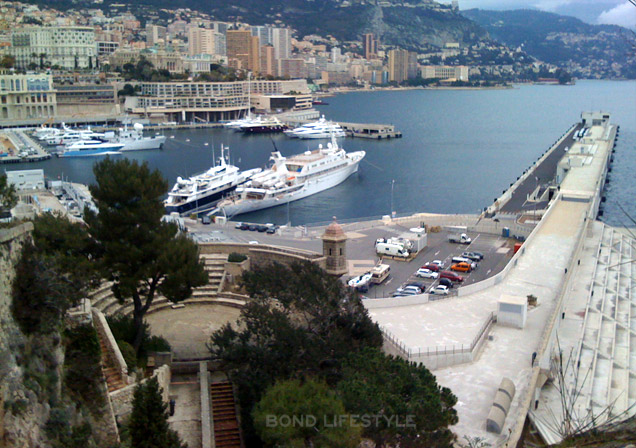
[(281, 41), (67, 46)]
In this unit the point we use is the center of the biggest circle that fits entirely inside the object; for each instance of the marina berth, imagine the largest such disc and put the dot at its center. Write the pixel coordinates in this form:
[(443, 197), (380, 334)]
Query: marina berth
[(202, 191), (293, 178)]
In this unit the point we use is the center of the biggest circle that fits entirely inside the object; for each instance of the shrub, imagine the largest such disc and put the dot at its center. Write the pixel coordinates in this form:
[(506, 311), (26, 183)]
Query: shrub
[(83, 374), (128, 352), (123, 329), (236, 257)]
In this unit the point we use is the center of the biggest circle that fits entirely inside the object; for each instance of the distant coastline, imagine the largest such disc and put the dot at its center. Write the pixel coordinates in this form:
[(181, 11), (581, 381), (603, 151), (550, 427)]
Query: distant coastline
[(340, 90)]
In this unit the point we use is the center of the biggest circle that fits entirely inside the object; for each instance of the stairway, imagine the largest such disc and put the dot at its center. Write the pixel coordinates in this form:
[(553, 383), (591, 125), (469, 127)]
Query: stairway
[(112, 375), (226, 428)]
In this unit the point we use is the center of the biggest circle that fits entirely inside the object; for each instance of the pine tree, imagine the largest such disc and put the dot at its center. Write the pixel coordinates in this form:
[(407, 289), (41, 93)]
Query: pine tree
[(140, 253), (148, 424)]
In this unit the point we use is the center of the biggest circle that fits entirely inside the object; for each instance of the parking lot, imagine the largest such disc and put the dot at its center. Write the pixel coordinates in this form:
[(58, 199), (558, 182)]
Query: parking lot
[(496, 250), (362, 257)]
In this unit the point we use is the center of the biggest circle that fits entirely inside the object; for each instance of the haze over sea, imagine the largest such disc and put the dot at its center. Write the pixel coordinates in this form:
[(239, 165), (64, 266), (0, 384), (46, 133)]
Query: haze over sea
[(460, 150)]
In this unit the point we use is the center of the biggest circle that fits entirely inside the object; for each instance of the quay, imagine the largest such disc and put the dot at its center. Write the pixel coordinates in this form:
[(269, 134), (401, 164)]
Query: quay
[(470, 342), (16, 147), (374, 131)]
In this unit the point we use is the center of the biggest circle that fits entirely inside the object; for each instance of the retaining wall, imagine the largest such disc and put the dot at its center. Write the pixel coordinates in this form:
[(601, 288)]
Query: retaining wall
[(262, 255)]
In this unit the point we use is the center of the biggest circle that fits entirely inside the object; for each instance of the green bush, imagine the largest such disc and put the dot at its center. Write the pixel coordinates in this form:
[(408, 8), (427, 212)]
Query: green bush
[(83, 374), (123, 329), (157, 344), (236, 257), (128, 352)]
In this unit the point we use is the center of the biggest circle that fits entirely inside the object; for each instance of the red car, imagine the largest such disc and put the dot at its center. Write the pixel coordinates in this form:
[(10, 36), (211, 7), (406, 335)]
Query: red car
[(431, 267), (451, 276)]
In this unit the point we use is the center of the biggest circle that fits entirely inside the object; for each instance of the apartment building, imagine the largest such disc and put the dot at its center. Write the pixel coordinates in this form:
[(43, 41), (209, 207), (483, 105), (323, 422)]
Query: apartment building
[(26, 96), (69, 47)]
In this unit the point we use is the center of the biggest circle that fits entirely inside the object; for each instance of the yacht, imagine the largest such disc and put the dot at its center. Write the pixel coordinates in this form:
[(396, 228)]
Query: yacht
[(237, 124), (202, 191), (293, 178), (72, 136), (86, 148), (317, 129), (263, 126), (134, 139)]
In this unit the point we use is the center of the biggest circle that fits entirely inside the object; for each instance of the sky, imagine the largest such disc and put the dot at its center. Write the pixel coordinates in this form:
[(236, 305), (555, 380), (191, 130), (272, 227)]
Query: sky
[(616, 12)]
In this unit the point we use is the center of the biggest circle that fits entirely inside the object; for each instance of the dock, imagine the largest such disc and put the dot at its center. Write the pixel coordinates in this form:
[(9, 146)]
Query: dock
[(17, 147), (374, 131)]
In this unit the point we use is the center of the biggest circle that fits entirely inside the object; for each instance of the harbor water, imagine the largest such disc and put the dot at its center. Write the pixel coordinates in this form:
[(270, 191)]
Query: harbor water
[(460, 150)]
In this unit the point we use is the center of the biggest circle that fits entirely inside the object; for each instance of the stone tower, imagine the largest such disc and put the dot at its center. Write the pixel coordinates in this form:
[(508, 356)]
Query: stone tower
[(334, 247)]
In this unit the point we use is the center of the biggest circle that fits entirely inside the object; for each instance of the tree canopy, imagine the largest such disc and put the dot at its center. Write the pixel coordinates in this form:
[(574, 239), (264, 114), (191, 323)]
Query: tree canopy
[(300, 414), (8, 196), (301, 324), (411, 409), (148, 424), (142, 255)]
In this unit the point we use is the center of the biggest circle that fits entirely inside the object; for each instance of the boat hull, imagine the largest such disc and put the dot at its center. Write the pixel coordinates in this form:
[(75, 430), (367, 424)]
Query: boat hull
[(89, 152), (145, 143), (199, 204), (309, 188)]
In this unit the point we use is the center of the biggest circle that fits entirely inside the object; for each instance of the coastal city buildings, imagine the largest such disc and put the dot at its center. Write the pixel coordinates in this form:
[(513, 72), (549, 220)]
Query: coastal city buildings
[(26, 96), (70, 47), (215, 101)]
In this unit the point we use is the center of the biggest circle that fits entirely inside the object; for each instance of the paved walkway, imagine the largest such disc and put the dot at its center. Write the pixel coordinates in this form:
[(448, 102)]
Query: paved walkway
[(545, 172), (188, 329)]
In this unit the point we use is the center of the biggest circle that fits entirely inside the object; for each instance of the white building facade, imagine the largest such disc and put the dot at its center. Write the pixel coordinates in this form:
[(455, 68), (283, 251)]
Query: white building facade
[(69, 47)]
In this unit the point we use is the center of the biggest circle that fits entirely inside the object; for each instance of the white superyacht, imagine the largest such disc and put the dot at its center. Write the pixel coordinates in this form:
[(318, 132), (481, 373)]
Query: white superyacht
[(317, 129), (202, 191), (293, 178)]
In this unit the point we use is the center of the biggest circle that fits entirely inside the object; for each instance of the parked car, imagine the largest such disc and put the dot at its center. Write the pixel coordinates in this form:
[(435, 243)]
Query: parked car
[(439, 289), (472, 264), (244, 226), (206, 220), (439, 263), (271, 229), (446, 282), (253, 227), (238, 225), (420, 285), (461, 267), (474, 256), (403, 293), (431, 267), (426, 273), (451, 276), (262, 228), (414, 289)]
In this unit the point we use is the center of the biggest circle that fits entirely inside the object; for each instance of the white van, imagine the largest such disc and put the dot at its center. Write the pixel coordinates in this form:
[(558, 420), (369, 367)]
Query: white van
[(396, 250)]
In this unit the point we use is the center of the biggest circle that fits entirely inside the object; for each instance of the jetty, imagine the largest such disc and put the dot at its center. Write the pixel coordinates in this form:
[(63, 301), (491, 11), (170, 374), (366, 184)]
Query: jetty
[(561, 308)]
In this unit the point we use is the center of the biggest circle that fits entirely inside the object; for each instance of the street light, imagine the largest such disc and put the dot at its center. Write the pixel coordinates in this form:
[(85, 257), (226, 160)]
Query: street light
[(392, 184), (535, 197)]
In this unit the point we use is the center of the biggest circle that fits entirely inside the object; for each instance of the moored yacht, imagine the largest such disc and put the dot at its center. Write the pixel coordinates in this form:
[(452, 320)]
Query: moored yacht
[(293, 178), (202, 191), (86, 148), (317, 129), (134, 140)]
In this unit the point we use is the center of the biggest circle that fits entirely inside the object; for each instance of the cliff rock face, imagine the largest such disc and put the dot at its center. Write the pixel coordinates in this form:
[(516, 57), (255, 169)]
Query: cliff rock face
[(22, 416)]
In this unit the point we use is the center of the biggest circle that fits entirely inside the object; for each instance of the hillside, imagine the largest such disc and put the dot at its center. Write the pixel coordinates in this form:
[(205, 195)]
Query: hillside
[(411, 27), (586, 51)]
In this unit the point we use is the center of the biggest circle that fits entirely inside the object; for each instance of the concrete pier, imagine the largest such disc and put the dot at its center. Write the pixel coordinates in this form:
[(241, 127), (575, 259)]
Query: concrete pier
[(478, 360)]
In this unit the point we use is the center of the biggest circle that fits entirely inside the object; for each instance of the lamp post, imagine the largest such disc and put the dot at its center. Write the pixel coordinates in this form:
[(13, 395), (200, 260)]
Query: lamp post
[(392, 184), (535, 197)]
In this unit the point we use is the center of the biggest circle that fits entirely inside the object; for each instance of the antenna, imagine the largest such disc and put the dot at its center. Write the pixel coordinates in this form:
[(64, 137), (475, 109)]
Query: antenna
[(273, 143)]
